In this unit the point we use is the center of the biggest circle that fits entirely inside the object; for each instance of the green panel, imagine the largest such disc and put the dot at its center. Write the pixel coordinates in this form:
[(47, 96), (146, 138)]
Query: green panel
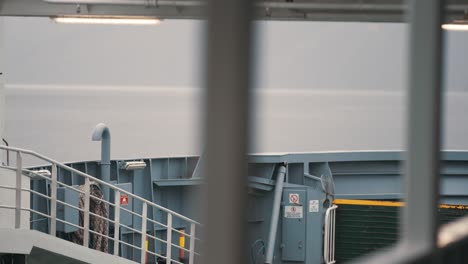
[(362, 229)]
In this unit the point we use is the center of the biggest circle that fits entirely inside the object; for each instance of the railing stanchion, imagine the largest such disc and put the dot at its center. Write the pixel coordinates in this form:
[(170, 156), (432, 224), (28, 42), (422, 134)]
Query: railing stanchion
[(143, 233), (169, 239), (53, 201), (333, 236), (325, 239), (87, 189), (192, 243), (85, 214), (116, 221), (19, 173), (329, 235)]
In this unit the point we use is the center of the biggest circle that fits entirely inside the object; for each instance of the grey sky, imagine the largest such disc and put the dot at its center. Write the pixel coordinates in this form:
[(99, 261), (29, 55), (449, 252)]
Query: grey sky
[(329, 86)]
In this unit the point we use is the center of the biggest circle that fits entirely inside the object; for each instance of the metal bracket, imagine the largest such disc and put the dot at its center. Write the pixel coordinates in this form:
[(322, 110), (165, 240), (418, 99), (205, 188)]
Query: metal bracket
[(82, 8)]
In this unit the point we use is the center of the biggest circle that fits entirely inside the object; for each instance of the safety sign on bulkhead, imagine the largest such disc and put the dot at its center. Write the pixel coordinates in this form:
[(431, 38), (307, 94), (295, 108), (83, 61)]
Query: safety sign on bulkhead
[(294, 198), (293, 211), (313, 206)]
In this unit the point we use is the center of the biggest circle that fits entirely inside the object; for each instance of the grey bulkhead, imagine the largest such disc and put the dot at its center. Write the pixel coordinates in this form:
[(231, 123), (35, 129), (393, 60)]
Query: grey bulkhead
[(172, 182), (299, 237)]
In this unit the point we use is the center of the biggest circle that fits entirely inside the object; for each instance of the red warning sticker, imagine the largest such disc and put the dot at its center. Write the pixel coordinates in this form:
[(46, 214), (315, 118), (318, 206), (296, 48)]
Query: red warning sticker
[(123, 199)]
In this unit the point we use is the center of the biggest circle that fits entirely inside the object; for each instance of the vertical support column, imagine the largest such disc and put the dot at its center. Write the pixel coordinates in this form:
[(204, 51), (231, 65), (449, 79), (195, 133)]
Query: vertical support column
[(53, 201), (19, 176), (275, 214), (423, 141), (86, 212), (169, 239), (226, 129), (143, 232), (116, 221), (192, 244)]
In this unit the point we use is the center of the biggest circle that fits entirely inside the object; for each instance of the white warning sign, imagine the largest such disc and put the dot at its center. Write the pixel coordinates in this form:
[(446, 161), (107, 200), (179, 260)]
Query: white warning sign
[(313, 206), (293, 211), (294, 198)]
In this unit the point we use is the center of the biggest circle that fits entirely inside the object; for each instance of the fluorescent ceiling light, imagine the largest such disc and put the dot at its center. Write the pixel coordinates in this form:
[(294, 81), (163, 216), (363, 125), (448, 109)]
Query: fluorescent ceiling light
[(108, 20), (455, 27)]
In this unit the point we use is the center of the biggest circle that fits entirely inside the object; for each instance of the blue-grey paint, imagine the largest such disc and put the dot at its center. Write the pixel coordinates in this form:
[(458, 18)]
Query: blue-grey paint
[(67, 213), (357, 175), (293, 242)]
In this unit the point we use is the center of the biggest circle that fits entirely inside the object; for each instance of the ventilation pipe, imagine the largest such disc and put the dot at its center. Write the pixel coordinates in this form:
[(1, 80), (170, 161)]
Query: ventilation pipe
[(102, 133), (275, 214)]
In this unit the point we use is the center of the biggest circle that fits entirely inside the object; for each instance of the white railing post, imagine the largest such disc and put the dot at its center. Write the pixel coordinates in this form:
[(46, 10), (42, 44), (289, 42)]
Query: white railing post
[(143, 233), (332, 236), (329, 235), (53, 201), (86, 212), (192, 243), (169, 239), (116, 221), (19, 173), (326, 238)]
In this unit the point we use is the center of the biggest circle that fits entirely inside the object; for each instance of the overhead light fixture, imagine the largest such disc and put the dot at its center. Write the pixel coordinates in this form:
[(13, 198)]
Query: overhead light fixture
[(106, 20), (457, 24), (133, 165), (42, 172), (455, 27)]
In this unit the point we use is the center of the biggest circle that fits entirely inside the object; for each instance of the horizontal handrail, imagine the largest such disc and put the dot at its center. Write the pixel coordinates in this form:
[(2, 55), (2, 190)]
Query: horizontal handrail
[(7, 187), (101, 200), (99, 234), (69, 187), (70, 224), (155, 254), (35, 212), (156, 222), (102, 217), (156, 238), (7, 206), (85, 192), (130, 228), (130, 212), (130, 245), (36, 193), (65, 167), (71, 206)]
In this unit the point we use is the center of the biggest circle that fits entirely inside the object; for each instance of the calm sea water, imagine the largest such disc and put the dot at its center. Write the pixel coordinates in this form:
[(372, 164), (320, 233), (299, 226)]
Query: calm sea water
[(152, 122)]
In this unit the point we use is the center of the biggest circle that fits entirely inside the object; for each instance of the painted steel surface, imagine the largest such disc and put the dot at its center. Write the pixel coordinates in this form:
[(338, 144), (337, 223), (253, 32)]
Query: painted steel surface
[(175, 182)]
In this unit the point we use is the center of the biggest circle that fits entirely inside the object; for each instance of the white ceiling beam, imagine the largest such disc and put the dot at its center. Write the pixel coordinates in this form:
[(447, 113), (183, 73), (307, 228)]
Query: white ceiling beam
[(307, 10)]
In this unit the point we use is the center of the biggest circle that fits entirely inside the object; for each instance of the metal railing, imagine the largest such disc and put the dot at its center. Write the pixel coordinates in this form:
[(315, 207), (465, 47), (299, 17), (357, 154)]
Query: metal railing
[(165, 255), (329, 236)]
